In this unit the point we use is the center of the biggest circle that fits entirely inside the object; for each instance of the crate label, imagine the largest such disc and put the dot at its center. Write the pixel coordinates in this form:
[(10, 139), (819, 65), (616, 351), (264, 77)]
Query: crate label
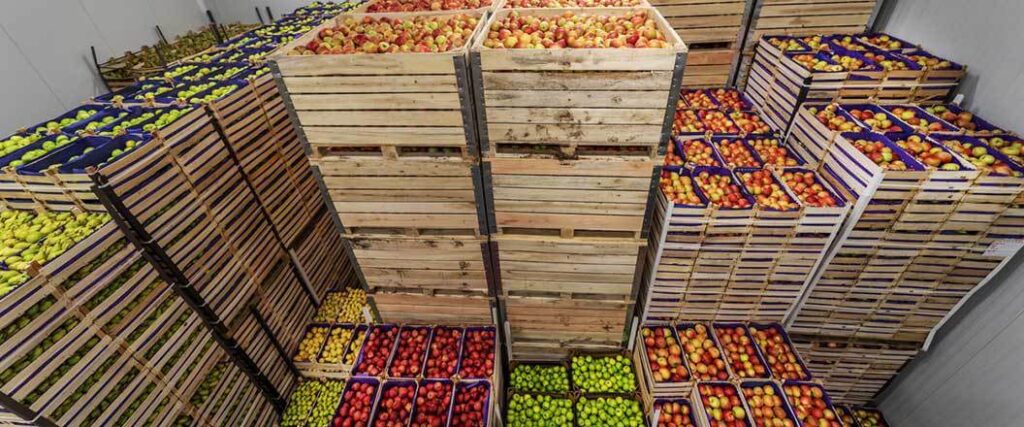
[(1004, 247)]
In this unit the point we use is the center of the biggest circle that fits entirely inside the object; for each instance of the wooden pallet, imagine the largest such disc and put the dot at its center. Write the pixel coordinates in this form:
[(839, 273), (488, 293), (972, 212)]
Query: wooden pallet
[(854, 371), (411, 197), (575, 100), (569, 197), (400, 100)]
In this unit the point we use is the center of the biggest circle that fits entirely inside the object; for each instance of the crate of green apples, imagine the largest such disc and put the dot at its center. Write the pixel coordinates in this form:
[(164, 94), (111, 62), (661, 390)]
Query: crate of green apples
[(539, 377), (540, 410), (601, 411), (102, 374), (603, 373)]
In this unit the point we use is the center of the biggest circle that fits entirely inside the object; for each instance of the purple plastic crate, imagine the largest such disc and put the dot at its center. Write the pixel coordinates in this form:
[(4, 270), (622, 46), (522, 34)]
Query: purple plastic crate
[(656, 420), (745, 103), (840, 200), (358, 368), (450, 395), (909, 160), (776, 180), (717, 143), (788, 342), (778, 392), (465, 340), (403, 332), (982, 126), (485, 408), (824, 393), (819, 55), (681, 327), (384, 388), (920, 113), (679, 144), (696, 388), (458, 352), (948, 140), (904, 128), (348, 387), (757, 352), (726, 172), (42, 128), (686, 172)]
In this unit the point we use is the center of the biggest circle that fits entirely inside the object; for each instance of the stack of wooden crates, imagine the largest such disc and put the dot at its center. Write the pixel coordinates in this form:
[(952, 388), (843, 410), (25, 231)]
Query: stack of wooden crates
[(712, 30), (392, 137), (916, 243), (570, 142)]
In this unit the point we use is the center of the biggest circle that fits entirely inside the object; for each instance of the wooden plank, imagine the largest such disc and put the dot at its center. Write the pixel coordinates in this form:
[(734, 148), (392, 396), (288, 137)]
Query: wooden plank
[(656, 99), (371, 84), (377, 101), (590, 116)]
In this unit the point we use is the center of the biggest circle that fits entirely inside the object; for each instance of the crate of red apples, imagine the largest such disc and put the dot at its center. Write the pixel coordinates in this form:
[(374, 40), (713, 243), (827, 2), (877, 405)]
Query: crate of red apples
[(422, 376), (672, 357)]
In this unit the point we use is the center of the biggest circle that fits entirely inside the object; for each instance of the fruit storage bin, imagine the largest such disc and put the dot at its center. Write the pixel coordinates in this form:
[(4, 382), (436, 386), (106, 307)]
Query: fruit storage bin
[(513, 364), (703, 414), (593, 98), (651, 390), (758, 355), (786, 341), (329, 94), (594, 194)]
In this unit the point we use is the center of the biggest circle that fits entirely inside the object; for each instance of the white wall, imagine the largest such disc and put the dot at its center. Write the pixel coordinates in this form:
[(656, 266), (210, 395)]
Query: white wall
[(973, 374), (45, 65), (985, 35), (245, 10)]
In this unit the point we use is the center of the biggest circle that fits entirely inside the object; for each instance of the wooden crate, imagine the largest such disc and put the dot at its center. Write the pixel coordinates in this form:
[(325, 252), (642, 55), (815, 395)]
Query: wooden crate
[(320, 255), (584, 197), (733, 264), (575, 100), (902, 261), (711, 30), (542, 265), (404, 196), (426, 263), (560, 295), (400, 100), (440, 307), (854, 371)]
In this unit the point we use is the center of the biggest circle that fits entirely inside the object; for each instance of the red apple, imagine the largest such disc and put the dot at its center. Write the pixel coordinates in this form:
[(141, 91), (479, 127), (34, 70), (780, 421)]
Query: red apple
[(766, 190), (664, 355), (808, 189), (697, 98), (721, 190), (737, 154), (674, 413), (766, 404)]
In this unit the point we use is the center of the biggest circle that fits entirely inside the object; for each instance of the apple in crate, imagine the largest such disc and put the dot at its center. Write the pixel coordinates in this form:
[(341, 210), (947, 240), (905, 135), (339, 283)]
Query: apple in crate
[(478, 355), (808, 401), (665, 355), (444, 353), (705, 358), (355, 406)]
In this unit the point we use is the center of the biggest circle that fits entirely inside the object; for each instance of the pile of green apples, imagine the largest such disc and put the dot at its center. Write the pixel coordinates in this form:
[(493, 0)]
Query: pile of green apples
[(26, 318), (610, 374), (164, 117), (47, 146), (540, 378), (27, 237), (56, 126), (56, 335), (609, 411), (15, 142), (301, 404), (526, 410), (326, 403), (214, 94)]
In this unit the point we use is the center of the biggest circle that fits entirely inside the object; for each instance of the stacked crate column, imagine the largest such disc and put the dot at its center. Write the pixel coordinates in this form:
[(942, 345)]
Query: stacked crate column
[(570, 140), (392, 138)]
